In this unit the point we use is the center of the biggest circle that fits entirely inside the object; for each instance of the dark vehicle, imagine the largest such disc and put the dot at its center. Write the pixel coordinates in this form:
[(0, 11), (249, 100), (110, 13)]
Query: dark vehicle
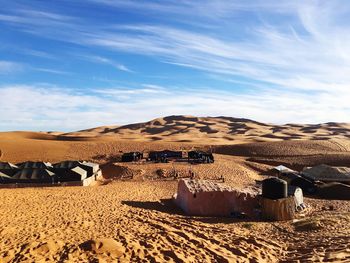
[(164, 156), (200, 157), (132, 156)]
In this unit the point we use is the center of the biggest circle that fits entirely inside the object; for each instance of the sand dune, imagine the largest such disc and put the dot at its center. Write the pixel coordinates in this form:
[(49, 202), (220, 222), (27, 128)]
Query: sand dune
[(286, 148), (218, 130)]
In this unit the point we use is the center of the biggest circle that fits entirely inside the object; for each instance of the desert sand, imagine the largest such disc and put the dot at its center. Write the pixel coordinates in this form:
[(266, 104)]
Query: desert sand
[(134, 220)]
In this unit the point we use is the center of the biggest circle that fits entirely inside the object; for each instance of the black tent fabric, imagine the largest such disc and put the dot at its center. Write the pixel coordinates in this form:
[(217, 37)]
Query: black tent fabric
[(28, 175), (35, 165)]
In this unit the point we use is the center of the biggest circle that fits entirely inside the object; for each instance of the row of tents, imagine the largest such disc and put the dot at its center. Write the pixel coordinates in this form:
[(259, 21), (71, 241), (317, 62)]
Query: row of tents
[(166, 155), (45, 172), (322, 180)]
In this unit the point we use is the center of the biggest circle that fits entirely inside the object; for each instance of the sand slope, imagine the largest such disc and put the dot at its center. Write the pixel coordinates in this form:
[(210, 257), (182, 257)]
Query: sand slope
[(134, 222), (217, 130)]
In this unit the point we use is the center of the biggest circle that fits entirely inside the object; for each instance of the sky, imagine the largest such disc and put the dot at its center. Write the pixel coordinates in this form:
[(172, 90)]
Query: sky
[(67, 65)]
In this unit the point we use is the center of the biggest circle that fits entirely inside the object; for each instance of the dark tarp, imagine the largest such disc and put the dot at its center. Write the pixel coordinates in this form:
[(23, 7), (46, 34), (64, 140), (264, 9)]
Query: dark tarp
[(90, 168), (34, 175), (327, 173), (35, 165), (74, 174), (336, 191)]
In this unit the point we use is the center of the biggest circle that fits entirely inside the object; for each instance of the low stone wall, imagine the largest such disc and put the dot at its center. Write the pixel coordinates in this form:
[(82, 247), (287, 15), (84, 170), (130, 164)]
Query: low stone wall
[(206, 198)]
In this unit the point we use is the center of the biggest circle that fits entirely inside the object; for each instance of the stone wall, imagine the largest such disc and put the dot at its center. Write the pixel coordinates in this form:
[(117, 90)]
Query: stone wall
[(207, 198)]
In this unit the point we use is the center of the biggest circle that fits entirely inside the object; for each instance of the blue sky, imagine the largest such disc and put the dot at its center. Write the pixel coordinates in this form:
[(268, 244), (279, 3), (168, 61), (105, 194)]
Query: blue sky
[(68, 65)]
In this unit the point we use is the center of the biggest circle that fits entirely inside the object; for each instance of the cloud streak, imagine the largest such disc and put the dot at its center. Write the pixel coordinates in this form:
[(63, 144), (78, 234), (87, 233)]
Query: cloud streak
[(9, 67), (303, 52), (106, 61), (291, 60), (55, 108)]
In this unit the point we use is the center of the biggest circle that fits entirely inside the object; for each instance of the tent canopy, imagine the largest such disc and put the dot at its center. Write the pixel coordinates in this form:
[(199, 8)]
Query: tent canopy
[(7, 165), (34, 174), (327, 173), (283, 169), (35, 165)]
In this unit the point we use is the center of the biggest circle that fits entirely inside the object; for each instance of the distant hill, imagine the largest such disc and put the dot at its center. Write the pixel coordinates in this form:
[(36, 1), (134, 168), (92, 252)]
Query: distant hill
[(216, 130)]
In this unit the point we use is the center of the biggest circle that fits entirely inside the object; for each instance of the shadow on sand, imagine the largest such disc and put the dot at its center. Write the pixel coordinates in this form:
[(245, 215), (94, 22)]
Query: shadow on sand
[(164, 205), (169, 207)]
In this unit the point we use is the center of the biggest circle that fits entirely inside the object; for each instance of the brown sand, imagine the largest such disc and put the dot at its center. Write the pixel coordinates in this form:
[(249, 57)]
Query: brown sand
[(217, 130), (133, 220)]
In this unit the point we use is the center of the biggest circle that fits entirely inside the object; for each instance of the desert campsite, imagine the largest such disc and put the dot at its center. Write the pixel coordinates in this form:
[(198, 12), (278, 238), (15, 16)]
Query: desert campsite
[(142, 209), (194, 131)]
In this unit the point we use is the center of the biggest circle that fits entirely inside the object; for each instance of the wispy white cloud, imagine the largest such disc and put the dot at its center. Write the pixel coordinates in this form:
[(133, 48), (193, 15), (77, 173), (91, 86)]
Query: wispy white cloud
[(9, 67), (53, 71), (275, 57), (300, 52), (307, 54), (55, 108), (293, 57), (34, 17), (214, 9), (107, 61), (35, 53)]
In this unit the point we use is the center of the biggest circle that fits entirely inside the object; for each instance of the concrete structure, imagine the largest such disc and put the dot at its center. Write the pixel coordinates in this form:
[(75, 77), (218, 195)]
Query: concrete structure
[(208, 198)]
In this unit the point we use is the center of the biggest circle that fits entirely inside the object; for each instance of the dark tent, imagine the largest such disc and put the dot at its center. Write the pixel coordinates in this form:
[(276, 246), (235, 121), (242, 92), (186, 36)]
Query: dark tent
[(336, 191), (326, 173), (66, 164), (200, 156), (74, 174), (35, 165), (157, 155), (8, 169), (90, 168), (132, 156), (279, 170), (29, 175), (294, 179), (7, 165), (4, 178)]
